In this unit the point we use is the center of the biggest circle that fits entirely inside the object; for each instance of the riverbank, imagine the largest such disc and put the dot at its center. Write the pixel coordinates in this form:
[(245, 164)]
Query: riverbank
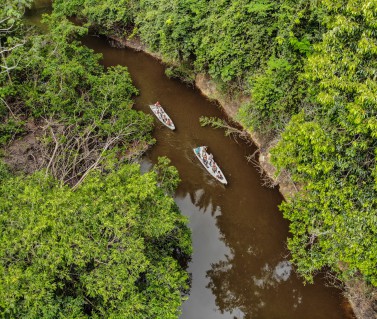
[(362, 299), (230, 106)]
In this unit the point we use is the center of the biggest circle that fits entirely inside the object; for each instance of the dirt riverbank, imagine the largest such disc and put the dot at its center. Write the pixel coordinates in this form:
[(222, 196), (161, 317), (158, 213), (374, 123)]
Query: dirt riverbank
[(208, 88)]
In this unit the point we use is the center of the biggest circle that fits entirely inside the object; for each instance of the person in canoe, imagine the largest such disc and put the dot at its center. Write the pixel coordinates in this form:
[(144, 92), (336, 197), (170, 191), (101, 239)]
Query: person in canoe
[(204, 155), (205, 159), (219, 175), (169, 122), (210, 159), (166, 119), (214, 167), (204, 151), (159, 110)]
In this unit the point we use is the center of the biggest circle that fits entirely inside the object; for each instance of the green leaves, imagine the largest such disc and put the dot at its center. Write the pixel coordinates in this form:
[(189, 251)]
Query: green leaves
[(113, 245), (332, 226), (330, 149), (106, 16), (167, 176), (272, 100), (87, 112), (306, 149), (105, 249), (13, 10)]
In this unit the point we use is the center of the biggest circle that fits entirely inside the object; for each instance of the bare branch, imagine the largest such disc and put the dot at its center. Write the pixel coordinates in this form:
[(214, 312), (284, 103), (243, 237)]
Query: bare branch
[(6, 30), (9, 108), (4, 50), (95, 164), (54, 152)]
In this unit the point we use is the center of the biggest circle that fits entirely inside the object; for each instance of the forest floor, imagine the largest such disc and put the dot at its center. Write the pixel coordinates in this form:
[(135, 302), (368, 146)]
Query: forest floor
[(22, 154)]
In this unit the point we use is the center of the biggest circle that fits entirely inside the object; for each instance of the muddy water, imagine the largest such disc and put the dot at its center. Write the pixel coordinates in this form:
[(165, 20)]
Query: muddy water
[(240, 266)]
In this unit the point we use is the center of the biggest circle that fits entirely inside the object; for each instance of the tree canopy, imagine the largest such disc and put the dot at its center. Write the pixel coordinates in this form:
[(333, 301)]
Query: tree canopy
[(86, 235), (109, 249), (84, 111), (332, 147), (309, 69)]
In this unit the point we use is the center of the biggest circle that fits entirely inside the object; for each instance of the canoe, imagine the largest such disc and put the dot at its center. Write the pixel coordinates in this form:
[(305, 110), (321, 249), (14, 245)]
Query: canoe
[(162, 116), (218, 174)]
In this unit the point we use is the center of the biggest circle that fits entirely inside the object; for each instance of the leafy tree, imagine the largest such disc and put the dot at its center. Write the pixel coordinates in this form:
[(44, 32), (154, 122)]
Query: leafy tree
[(247, 46), (331, 149), (108, 249), (272, 102), (168, 27), (4, 172), (107, 16), (86, 113), (10, 38), (114, 245), (309, 68), (250, 47)]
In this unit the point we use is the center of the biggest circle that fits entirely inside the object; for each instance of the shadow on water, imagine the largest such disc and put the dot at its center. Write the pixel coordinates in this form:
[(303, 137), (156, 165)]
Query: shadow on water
[(240, 266)]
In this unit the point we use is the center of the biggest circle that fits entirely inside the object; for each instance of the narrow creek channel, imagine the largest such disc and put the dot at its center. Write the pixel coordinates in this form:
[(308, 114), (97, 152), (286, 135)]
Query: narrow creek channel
[(240, 267)]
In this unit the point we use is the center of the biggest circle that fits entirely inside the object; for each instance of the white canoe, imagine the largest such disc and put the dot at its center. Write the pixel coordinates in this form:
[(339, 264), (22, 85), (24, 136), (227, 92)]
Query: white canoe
[(162, 115), (218, 174)]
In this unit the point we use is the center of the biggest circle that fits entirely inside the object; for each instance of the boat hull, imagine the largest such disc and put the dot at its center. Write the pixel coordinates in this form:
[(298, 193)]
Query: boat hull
[(197, 152), (154, 110)]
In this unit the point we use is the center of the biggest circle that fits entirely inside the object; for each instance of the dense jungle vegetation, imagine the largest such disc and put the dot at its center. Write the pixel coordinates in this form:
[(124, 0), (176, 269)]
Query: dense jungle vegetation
[(85, 235), (309, 68)]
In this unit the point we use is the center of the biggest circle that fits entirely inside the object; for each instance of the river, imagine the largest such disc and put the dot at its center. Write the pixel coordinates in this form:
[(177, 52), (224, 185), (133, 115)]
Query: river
[(240, 266)]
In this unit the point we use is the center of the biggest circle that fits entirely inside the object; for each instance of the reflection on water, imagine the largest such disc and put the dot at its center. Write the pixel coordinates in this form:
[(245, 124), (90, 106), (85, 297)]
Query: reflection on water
[(282, 271), (251, 301), (240, 265), (204, 203), (207, 249)]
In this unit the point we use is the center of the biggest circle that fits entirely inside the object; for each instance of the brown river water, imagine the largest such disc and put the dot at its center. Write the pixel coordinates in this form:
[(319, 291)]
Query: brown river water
[(240, 266)]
